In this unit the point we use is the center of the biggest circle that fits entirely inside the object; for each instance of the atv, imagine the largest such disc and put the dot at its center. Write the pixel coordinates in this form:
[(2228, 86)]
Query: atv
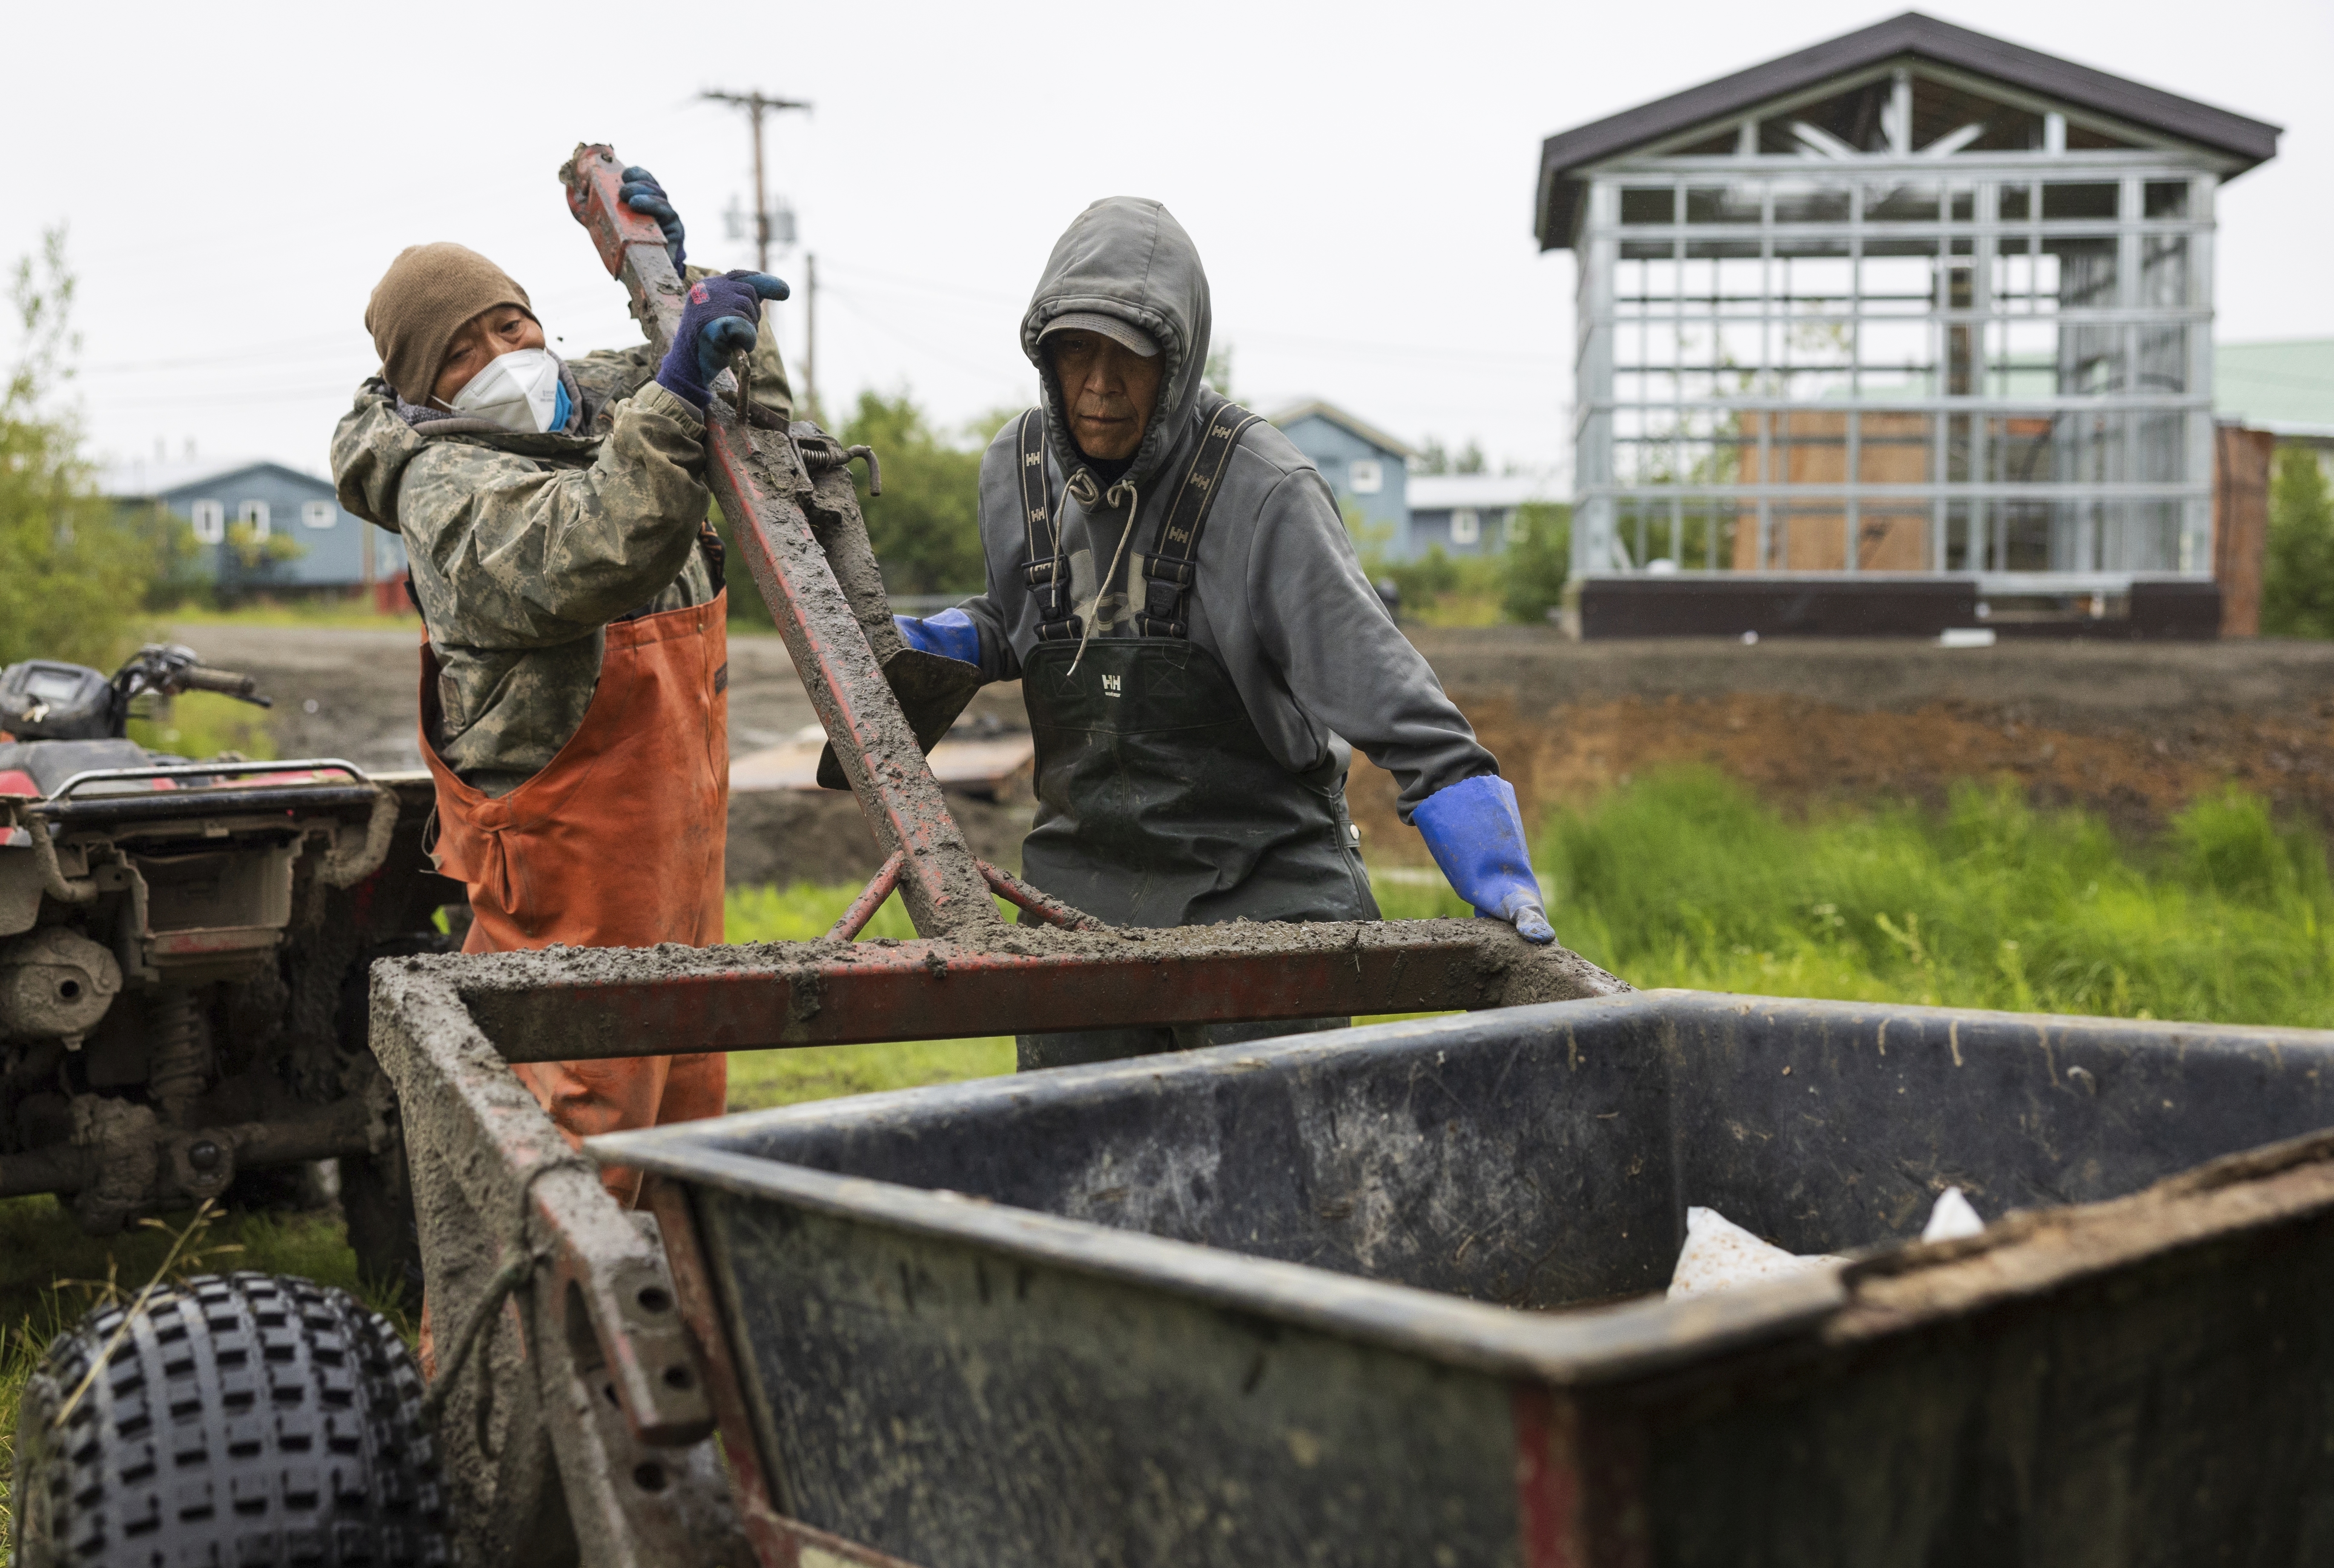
[(183, 953)]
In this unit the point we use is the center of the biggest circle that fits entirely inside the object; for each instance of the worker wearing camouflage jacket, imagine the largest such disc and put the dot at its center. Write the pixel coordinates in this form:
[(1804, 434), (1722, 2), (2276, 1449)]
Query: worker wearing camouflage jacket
[(573, 705), (1172, 582)]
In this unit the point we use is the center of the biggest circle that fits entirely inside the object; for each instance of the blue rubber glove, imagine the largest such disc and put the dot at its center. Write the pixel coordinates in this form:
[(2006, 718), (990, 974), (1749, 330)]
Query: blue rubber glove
[(643, 195), (722, 318), (1477, 835), (950, 634)]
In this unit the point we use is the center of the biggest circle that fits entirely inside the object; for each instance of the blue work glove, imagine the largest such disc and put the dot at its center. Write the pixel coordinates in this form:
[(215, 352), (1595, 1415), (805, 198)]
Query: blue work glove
[(643, 195), (722, 318), (1477, 835), (950, 634)]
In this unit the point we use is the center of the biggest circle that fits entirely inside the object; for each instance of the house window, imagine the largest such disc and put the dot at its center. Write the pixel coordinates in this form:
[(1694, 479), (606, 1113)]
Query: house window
[(210, 521), (256, 513), (1466, 526), (1366, 475), (319, 513), (1513, 529)]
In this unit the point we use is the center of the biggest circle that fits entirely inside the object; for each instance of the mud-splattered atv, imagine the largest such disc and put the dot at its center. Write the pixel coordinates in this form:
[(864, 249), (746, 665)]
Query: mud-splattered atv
[(182, 955)]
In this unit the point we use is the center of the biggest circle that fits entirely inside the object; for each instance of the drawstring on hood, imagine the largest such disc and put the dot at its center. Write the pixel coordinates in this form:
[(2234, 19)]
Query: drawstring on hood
[(1110, 498)]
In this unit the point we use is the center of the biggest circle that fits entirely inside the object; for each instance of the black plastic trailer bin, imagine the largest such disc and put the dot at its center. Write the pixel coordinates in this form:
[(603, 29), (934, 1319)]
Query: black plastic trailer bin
[(1389, 1296)]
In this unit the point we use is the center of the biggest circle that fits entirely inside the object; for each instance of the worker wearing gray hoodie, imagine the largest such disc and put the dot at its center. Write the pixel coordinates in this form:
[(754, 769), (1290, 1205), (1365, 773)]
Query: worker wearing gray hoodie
[(1172, 584)]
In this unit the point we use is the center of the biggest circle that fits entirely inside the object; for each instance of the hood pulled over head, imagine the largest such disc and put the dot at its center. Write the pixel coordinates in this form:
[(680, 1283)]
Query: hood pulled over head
[(1127, 257)]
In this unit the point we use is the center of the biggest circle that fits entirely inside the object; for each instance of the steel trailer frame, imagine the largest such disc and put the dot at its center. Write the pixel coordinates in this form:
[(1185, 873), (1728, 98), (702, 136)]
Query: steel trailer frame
[(580, 1427)]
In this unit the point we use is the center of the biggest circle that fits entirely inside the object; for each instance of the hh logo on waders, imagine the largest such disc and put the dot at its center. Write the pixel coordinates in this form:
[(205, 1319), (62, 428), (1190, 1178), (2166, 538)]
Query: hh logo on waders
[(1110, 687)]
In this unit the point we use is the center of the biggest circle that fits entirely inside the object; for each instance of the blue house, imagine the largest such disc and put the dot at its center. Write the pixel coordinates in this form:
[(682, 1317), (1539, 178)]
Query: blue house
[(240, 512), (1368, 469), (1474, 514)]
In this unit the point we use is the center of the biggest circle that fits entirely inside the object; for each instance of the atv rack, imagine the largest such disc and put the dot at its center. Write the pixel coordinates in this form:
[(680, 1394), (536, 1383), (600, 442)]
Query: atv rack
[(592, 1413)]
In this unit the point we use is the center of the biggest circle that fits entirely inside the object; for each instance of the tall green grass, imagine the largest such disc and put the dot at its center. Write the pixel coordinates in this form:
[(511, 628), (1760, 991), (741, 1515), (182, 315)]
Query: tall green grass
[(1685, 878)]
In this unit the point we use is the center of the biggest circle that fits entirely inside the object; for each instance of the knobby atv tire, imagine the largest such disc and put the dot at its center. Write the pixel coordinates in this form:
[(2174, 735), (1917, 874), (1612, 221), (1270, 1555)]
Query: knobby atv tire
[(240, 1421)]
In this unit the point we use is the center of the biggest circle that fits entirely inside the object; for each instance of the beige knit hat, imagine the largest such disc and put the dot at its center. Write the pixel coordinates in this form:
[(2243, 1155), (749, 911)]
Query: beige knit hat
[(422, 301)]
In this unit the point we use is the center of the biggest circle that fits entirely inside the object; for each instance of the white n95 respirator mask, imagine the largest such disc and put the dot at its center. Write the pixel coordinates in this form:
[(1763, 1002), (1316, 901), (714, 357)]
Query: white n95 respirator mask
[(520, 391)]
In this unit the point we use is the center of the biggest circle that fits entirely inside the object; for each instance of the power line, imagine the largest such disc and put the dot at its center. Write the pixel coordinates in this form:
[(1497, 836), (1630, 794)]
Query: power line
[(989, 372), (289, 352), (756, 105), (1371, 346)]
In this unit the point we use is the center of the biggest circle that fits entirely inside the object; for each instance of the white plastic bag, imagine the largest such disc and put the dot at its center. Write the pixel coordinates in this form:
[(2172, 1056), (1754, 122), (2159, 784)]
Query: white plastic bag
[(1953, 1218), (1719, 1253)]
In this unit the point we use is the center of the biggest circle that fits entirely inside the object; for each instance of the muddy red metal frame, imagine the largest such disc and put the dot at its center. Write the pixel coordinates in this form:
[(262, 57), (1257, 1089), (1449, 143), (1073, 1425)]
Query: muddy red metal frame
[(575, 1006), (578, 1429), (761, 483)]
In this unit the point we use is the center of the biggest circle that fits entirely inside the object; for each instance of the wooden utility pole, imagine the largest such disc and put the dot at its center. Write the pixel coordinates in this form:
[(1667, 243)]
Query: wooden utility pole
[(756, 105), (810, 334)]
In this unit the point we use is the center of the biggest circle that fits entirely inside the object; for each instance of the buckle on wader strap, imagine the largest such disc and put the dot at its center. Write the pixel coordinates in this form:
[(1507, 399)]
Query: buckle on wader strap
[(1047, 570), (1169, 570)]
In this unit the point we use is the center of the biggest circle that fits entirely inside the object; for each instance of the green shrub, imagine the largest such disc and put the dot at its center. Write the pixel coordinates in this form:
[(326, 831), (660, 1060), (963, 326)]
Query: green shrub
[(2298, 576), (1538, 561), (1422, 581), (71, 574), (926, 525)]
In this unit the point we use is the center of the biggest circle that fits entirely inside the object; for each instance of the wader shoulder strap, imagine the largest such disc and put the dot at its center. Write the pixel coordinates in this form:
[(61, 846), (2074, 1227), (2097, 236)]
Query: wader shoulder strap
[(1168, 571), (1047, 570)]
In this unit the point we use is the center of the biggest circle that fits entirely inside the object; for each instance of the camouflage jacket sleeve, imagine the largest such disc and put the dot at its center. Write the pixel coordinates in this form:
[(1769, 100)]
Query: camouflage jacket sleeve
[(527, 555), (611, 374)]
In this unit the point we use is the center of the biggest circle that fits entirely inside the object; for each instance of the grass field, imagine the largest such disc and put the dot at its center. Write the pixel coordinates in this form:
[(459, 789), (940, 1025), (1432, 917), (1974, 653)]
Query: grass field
[(1684, 879), (1681, 878)]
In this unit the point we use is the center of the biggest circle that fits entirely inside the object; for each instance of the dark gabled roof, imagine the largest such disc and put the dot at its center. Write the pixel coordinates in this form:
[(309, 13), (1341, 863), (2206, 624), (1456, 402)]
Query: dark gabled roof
[(1370, 434), (140, 479), (2251, 141)]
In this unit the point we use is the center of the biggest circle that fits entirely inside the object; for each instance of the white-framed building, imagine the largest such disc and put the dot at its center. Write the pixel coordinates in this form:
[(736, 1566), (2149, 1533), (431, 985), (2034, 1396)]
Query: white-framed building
[(1891, 332)]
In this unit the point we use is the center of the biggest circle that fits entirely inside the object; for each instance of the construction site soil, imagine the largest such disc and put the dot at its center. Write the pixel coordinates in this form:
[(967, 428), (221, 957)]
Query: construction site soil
[(2134, 731)]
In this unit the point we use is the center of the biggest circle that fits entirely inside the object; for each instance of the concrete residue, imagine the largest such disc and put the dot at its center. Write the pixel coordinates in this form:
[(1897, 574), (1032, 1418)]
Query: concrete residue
[(1514, 972)]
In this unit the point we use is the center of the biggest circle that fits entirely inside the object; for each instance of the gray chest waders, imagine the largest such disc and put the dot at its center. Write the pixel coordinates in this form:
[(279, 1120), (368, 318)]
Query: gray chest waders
[(1158, 802)]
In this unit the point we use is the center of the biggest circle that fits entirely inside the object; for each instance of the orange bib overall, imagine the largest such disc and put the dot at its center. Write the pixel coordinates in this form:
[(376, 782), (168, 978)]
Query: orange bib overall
[(616, 844)]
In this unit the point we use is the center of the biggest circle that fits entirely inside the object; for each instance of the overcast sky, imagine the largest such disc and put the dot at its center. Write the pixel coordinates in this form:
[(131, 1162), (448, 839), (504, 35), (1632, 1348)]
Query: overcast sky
[(1358, 178)]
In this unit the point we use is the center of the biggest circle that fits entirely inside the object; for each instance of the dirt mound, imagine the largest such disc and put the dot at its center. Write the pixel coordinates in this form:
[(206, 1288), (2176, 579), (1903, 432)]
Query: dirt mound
[(1800, 752), (2133, 730), (819, 836)]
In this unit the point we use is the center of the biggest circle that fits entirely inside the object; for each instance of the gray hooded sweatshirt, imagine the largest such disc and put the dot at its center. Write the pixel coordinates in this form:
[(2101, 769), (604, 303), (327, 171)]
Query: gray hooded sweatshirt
[(1280, 597)]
